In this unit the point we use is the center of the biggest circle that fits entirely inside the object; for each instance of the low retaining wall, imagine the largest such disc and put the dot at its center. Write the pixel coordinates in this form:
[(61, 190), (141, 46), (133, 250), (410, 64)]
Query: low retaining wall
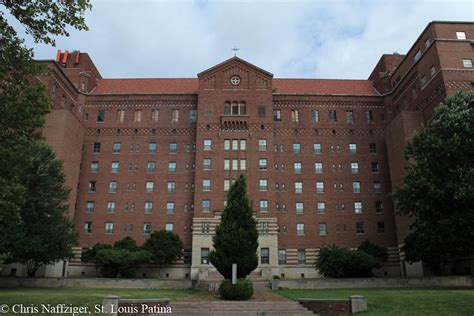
[(335, 307), (94, 283), (447, 281)]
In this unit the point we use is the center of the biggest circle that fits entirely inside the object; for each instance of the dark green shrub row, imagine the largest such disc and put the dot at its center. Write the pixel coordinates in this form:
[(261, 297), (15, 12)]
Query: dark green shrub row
[(241, 291)]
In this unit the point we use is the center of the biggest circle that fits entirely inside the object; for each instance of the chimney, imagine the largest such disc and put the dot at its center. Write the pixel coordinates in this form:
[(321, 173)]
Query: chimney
[(66, 53), (58, 56), (77, 57)]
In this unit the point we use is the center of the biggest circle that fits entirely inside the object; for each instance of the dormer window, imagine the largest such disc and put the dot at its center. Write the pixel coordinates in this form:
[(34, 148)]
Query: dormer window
[(235, 108)]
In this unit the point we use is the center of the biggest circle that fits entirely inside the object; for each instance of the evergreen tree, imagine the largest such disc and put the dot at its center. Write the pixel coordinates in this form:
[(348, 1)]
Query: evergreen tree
[(236, 239), (165, 247), (438, 189)]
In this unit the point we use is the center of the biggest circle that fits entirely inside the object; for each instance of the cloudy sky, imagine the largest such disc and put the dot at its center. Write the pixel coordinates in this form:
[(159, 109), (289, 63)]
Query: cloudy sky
[(291, 39)]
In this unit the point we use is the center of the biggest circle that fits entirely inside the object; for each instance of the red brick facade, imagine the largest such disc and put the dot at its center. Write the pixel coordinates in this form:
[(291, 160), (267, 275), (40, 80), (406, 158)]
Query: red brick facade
[(280, 124)]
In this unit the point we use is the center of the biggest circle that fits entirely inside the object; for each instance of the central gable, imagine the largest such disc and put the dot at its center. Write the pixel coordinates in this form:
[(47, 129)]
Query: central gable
[(235, 74)]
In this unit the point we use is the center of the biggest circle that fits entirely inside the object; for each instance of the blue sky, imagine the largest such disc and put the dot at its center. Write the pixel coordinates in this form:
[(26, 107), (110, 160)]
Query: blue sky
[(292, 39)]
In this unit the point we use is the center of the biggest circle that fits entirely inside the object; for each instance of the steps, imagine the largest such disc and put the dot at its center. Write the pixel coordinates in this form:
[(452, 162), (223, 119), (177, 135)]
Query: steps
[(234, 308), (213, 286)]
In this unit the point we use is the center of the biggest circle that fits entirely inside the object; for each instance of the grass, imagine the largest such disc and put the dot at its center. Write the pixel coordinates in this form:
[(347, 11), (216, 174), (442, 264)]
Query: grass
[(81, 296), (405, 301)]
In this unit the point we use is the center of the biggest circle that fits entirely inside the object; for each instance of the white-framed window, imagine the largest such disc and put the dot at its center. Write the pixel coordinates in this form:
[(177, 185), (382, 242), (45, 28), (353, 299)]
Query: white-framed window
[(353, 149), (358, 207), (321, 207), (193, 115), (235, 144), (467, 62), (377, 187), (295, 117), (262, 144), (151, 166), (169, 227), (116, 148), (350, 117), (262, 164), (315, 116), (171, 186), (172, 166), (277, 115), (226, 185), (432, 70), (110, 207), (120, 116), (206, 185), (204, 255), (109, 228), (92, 186), (243, 144), (299, 206), (235, 164), (300, 229), (149, 186), (417, 56), (243, 164), (354, 167), (94, 167), (318, 167), (206, 164), (137, 116), (207, 144), (332, 116), (152, 148), (115, 167), (264, 256), (263, 184), (169, 208), (155, 115), (461, 35), (226, 164), (88, 227), (174, 116), (206, 205), (298, 187), (356, 186), (317, 148), (263, 206), (297, 167), (226, 144), (148, 207), (301, 256), (297, 148), (90, 206), (369, 116), (173, 148), (322, 229), (146, 228), (281, 256), (319, 187), (112, 186)]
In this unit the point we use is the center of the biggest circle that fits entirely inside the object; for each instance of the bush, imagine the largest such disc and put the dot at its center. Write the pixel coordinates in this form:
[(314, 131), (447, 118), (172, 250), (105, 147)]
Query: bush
[(276, 277), (241, 291), (335, 262), (380, 253)]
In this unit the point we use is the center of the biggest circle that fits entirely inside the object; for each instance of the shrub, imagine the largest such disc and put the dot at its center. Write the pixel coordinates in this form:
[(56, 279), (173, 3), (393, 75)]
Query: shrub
[(380, 253), (276, 277), (241, 291), (335, 262)]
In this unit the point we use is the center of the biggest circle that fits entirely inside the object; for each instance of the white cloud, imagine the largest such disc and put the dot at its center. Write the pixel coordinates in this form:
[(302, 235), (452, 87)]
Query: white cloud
[(315, 39)]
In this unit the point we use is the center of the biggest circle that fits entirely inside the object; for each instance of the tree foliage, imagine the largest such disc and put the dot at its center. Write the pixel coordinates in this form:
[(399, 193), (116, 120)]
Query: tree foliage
[(438, 189), (380, 253), (236, 239), (164, 247)]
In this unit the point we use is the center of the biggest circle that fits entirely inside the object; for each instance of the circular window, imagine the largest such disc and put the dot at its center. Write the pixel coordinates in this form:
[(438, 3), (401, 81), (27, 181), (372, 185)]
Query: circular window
[(235, 80)]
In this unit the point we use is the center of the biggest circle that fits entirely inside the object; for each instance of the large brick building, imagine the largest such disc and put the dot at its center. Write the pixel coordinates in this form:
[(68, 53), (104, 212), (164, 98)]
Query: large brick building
[(321, 156)]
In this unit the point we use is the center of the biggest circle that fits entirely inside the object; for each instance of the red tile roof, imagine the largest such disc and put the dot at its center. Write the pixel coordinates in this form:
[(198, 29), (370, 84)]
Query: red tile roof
[(190, 85)]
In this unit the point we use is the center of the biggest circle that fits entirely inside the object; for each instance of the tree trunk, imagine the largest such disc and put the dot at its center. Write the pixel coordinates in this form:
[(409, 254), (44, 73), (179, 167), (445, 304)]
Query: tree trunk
[(32, 266)]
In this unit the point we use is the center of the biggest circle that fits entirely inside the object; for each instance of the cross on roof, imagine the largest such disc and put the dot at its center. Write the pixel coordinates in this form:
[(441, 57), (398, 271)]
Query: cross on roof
[(235, 49)]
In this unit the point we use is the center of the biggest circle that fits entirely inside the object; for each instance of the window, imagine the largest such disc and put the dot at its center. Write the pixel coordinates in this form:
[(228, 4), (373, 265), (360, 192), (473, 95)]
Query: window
[(146, 228), (301, 256), (318, 167), (206, 205), (155, 115), (377, 187), (206, 185), (264, 256), (94, 167), (100, 116), (356, 187), (381, 227), (423, 80), (92, 186), (193, 115), (369, 116), (109, 228), (296, 148), (467, 63), (96, 148), (322, 229), (169, 208), (206, 164), (281, 256), (298, 187), (243, 144), (277, 115), (300, 229), (134, 147), (317, 148), (169, 227), (112, 186), (295, 116), (207, 144), (174, 116), (235, 108), (378, 206), (427, 43), (116, 148), (149, 186), (350, 117), (461, 35), (90, 206), (375, 167), (226, 144), (353, 149), (297, 167), (235, 164), (148, 207), (243, 164), (354, 167), (358, 207), (315, 116), (332, 116), (417, 56), (115, 167), (360, 227), (171, 186), (373, 148), (152, 148), (226, 164), (172, 166), (432, 71), (319, 187), (88, 227), (235, 144), (263, 206), (263, 184), (120, 116), (321, 207), (262, 144), (110, 207), (151, 167), (137, 116), (262, 164), (173, 148), (299, 207), (204, 255)]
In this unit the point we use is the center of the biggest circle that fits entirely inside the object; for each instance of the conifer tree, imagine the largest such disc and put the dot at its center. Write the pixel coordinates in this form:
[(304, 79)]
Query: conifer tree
[(236, 239)]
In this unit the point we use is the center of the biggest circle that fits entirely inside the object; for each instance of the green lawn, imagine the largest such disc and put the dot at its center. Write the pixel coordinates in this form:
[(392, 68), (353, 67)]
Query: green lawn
[(81, 296), (400, 301)]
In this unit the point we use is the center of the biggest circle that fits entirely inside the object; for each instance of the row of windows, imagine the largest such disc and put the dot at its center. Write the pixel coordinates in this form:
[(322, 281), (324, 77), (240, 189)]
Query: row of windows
[(332, 116), (130, 207), (109, 228), (137, 115), (234, 144), (320, 207)]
